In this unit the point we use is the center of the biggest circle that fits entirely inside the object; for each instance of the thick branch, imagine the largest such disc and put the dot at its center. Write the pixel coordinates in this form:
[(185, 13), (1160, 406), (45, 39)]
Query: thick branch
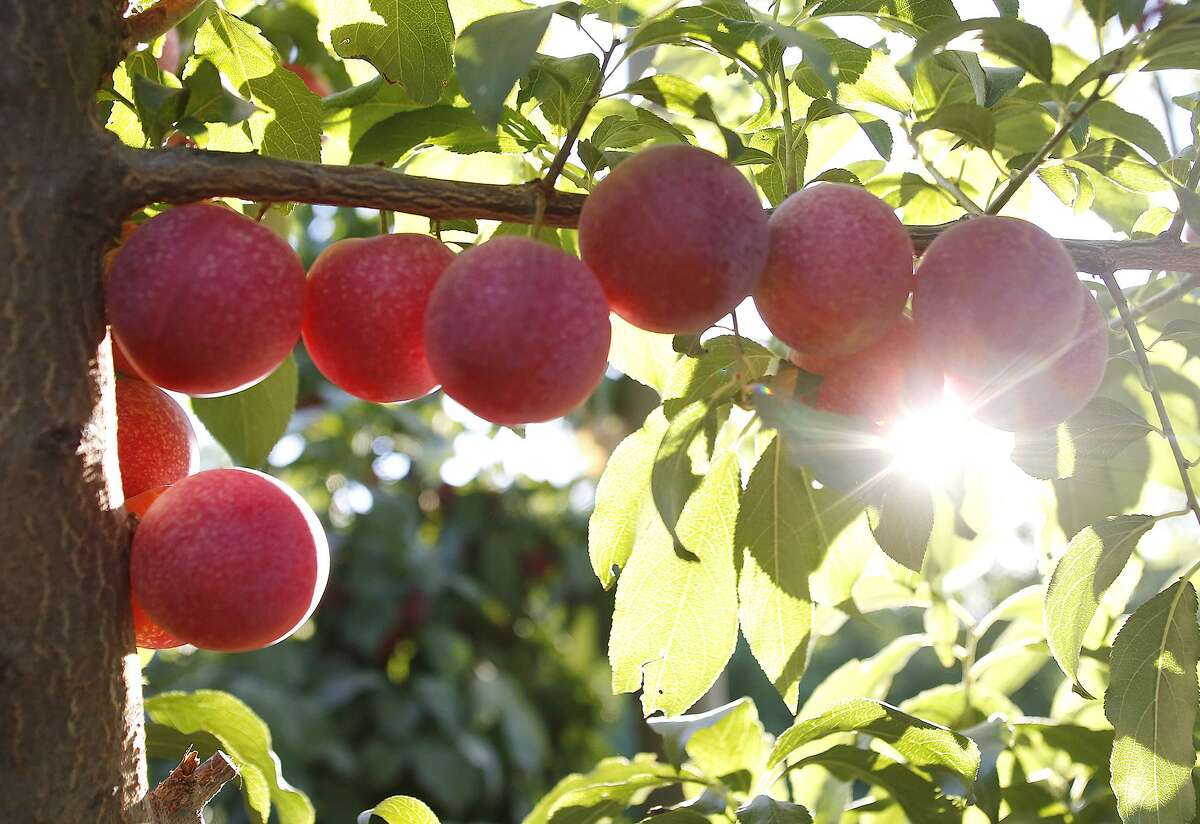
[(154, 22), (183, 795), (185, 175)]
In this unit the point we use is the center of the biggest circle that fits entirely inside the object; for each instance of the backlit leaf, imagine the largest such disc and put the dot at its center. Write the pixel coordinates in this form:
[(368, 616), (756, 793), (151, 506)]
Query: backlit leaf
[(1151, 703)]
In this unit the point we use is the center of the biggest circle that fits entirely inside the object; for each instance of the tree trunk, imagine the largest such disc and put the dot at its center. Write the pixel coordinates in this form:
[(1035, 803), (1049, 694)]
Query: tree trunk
[(71, 740)]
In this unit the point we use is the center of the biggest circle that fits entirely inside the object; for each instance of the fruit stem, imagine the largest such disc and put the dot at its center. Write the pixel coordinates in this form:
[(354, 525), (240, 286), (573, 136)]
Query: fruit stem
[(1143, 359)]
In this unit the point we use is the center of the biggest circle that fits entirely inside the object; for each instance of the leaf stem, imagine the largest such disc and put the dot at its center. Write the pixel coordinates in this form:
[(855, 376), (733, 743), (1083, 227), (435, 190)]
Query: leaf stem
[(1175, 230), (1143, 359)]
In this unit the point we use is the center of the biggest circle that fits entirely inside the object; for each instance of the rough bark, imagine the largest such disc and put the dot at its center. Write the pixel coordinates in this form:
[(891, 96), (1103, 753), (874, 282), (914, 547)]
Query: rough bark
[(70, 696)]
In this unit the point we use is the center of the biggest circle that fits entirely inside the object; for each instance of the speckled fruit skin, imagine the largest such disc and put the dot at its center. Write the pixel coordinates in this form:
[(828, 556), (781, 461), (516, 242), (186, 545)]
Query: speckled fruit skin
[(147, 634), (364, 314), (204, 300), (517, 331), (839, 272), (1054, 392), (677, 237), (155, 442), (995, 297), (315, 84), (878, 383), (229, 560)]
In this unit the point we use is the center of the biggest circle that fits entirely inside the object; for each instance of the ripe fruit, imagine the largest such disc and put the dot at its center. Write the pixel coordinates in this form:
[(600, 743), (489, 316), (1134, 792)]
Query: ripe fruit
[(121, 363), (996, 298), (155, 442), (168, 61), (676, 236), (517, 331), (877, 383), (1190, 235), (146, 633), (229, 560), (364, 314), (204, 300), (315, 84), (1057, 388), (839, 271)]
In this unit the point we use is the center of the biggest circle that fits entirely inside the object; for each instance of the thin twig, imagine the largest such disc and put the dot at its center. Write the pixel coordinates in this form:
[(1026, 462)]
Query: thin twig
[(1186, 283), (1068, 123), (946, 183), (1139, 349), (556, 165), (1165, 102)]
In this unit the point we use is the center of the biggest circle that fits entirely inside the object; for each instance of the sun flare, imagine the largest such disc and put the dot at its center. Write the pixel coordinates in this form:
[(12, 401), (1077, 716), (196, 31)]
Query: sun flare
[(934, 443)]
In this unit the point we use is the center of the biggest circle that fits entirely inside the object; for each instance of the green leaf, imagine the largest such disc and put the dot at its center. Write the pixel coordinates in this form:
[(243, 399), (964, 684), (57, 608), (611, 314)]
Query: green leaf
[(1089, 439), (763, 809), (720, 742), (903, 521), (1119, 162), (912, 17), (288, 121), (920, 742), (208, 99), (249, 423), (646, 357), (919, 797), (562, 86), (784, 529), (623, 503), (408, 41), (389, 140), (247, 741), (716, 373), (842, 453), (1020, 43), (971, 122), (672, 480), (1106, 118), (493, 53), (158, 105), (675, 619), (1093, 560), (1151, 703), (869, 677), (400, 809), (582, 798)]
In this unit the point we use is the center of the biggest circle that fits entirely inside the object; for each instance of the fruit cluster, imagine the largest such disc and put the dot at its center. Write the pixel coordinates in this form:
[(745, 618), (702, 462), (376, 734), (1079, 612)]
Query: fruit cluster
[(205, 301), (226, 559)]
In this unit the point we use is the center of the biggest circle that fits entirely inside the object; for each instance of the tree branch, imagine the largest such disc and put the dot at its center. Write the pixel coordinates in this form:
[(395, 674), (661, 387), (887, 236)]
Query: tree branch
[(183, 795), (186, 175), (152, 23)]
